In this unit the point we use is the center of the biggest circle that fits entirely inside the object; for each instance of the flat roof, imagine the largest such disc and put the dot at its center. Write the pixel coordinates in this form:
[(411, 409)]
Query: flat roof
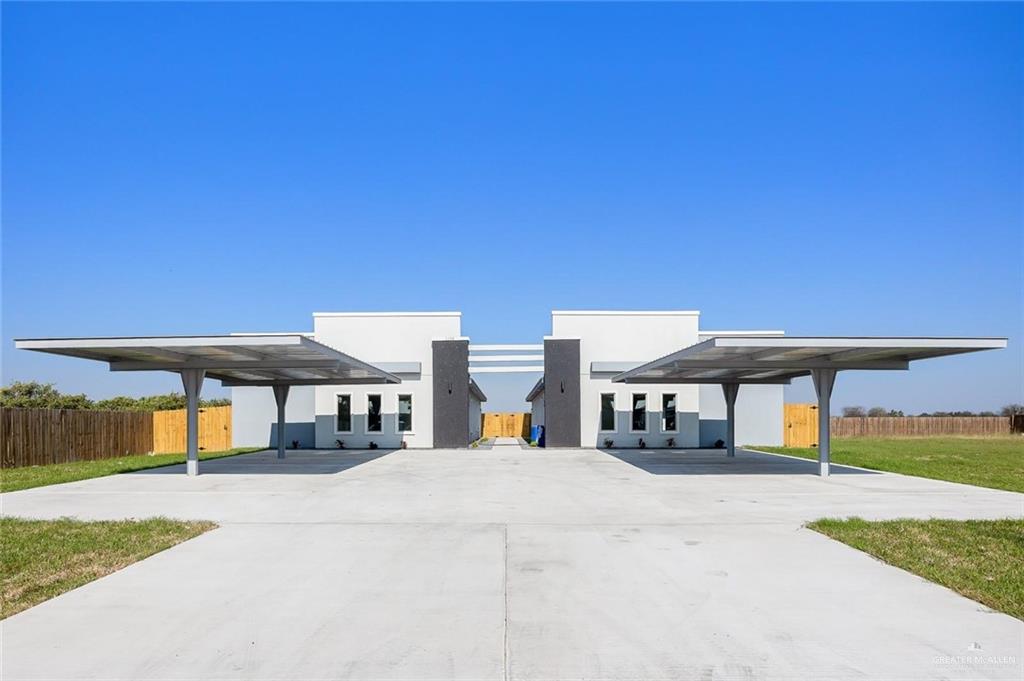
[(774, 359), (628, 313), (387, 314), (235, 360)]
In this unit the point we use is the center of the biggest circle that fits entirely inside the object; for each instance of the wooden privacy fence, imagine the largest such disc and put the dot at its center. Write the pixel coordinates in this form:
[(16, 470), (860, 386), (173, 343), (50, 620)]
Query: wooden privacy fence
[(37, 437), (214, 430), (800, 425), (505, 425), (918, 426)]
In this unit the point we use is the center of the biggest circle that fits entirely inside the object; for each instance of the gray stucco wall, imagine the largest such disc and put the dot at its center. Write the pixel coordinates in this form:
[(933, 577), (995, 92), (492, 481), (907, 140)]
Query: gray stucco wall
[(451, 393), (562, 393)]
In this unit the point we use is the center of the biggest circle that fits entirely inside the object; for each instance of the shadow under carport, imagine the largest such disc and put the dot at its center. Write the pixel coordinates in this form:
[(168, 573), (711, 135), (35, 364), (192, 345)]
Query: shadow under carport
[(296, 462), (716, 462)]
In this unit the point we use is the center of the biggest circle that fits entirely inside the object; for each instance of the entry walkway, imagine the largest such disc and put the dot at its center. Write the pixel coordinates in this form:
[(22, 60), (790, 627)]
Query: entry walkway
[(502, 564)]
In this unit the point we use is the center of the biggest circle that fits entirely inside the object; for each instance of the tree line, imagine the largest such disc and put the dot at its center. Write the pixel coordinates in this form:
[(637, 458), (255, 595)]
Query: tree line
[(1008, 410), (35, 395)]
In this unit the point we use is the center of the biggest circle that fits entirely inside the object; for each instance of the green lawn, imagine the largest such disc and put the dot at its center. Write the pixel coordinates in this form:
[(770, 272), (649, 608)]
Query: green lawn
[(40, 559), (996, 462), (981, 559), (12, 479)]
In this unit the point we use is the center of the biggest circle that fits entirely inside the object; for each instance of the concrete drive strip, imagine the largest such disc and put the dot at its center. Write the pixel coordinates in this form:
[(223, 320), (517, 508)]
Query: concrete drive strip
[(522, 565)]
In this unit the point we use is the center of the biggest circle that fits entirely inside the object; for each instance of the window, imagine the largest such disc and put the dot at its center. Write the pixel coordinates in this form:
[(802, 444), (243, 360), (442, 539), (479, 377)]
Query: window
[(668, 412), (404, 413), (373, 413), (344, 422), (638, 423), (607, 412)]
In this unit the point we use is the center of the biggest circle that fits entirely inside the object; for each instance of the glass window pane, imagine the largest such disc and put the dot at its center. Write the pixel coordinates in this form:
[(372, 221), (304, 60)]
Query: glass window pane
[(373, 413), (404, 412), (344, 424), (668, 412), (607, 411), (640, 412)]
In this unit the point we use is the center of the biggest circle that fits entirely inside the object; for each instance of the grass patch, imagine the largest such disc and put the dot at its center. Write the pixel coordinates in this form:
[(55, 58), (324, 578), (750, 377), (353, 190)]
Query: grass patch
[(980, 559), (13, 479), (40, 559), (996, 462)]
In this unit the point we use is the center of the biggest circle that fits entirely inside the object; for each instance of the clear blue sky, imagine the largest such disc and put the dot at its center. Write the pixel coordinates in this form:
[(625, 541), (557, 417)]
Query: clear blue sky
[(823, 169)]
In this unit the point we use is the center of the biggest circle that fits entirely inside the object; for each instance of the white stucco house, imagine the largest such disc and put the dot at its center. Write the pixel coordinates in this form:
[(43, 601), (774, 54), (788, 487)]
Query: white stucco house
[(424, 349), (587, 348)]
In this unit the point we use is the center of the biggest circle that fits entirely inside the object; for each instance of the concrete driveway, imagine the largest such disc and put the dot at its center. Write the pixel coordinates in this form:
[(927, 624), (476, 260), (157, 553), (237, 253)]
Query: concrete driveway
[(511, 563)]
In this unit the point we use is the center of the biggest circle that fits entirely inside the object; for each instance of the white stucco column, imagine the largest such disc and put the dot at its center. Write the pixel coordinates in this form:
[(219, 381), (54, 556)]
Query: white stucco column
[(824, 380), (281, 397), (730, 390), (192, 380)]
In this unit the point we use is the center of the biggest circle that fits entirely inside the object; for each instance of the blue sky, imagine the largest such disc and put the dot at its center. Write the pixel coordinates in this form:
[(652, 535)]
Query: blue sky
[(823, 169)]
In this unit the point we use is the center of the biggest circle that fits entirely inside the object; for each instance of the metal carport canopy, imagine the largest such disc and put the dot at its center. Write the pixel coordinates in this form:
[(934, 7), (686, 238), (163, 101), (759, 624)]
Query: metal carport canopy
[(735, 360), (276, 360)]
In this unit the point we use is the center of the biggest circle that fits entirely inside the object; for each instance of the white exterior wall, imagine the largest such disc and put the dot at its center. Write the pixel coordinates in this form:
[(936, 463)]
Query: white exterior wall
[(376, 338), (254, 417), (758, 415), (631, 337), (475, 410), (537, 411)]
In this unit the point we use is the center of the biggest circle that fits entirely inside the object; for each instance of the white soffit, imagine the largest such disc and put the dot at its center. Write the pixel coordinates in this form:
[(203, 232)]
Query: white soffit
[(774, 359), (236, 360)]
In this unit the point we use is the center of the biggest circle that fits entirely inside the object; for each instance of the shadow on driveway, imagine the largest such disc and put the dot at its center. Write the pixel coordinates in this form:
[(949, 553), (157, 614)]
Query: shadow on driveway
[(715, 462), (296, 462)]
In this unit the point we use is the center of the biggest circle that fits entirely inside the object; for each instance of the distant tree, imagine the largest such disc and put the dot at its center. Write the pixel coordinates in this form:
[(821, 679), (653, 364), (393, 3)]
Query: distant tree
[(1012, 410), (878, 411), (853, 411), (35, 395), (155, 403), (895, 412)]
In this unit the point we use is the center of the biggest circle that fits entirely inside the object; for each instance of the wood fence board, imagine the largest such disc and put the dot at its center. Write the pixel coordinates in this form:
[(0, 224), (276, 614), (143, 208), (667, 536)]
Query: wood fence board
[(38, 437), (800, 426), (170, 427), (505, 424), (919, 426)]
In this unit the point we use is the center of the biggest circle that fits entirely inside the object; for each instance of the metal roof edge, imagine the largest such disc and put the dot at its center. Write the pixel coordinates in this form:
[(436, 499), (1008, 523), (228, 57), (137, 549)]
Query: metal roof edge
[(387, 314), (627, 313)]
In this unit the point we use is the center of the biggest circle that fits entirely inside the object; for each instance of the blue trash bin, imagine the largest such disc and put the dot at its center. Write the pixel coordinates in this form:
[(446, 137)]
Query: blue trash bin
[(540, 438), (534, 433)]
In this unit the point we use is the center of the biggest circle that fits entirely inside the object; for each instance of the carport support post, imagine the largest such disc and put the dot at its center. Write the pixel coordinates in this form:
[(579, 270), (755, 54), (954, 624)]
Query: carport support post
[(824, 379), (281, 396), (192, 380), (730, 390)]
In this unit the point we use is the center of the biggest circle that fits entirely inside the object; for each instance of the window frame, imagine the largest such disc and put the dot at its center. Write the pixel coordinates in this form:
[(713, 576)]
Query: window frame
[(398, 415), (675, 395), (380, 400), (351, 419), (600, 408), (647, 412)]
